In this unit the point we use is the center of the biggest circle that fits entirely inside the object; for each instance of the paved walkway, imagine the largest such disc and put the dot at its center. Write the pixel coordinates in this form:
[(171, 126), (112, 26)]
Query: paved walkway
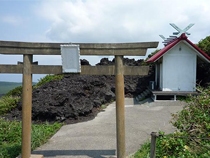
[(97, 138)]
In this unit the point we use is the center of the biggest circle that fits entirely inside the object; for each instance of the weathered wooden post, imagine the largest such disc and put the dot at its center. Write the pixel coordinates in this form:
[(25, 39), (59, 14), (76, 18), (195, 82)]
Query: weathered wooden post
[(120, 106), (27, 106), (153, 145)]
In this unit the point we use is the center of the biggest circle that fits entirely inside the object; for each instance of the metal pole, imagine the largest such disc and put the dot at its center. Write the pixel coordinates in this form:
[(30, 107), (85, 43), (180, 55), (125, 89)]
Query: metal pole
[(120, 106), (26, 106), (153, 145)]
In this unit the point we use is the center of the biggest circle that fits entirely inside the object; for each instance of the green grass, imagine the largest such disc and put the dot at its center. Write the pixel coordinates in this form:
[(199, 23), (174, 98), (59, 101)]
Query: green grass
[(144, 152), (7, 103), (10, 136)]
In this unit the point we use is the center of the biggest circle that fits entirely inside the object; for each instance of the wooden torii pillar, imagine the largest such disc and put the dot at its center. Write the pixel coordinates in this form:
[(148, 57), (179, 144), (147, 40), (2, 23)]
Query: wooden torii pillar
[(28, 68)]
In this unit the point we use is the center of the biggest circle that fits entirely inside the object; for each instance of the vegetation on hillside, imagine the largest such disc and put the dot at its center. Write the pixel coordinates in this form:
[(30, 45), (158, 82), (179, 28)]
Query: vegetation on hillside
[(48, 78), (149, 56), (16, 92), (204, 45), (153, 53), (193, 121), (5, 87), (7, 103)]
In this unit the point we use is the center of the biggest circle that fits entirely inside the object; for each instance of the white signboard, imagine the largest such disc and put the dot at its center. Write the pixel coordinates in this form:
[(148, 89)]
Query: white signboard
[(70, 55)]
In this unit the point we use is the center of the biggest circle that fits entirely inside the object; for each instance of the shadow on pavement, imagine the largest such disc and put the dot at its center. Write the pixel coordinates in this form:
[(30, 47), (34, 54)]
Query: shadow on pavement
[(90, 153)]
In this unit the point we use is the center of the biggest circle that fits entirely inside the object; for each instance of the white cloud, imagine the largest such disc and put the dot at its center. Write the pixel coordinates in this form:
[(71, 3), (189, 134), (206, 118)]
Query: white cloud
[(122, 20)]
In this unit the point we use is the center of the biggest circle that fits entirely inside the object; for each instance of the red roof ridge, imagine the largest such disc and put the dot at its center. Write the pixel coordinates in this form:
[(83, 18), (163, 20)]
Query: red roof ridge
[(159, 54), (183, 36)]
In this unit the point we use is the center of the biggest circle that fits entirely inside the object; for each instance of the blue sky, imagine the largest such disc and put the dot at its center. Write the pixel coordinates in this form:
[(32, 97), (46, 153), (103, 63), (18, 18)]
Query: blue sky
[(96, 21)]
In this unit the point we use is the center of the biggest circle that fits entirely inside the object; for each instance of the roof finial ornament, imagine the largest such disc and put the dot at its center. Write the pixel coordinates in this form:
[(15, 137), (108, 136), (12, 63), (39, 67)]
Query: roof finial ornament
[(176, 34)]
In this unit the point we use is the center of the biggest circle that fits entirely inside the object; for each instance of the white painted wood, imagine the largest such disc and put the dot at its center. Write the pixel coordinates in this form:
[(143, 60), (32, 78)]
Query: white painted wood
[(179, 68), (176, 34), (198, 53), (180, 31), (162, 37)]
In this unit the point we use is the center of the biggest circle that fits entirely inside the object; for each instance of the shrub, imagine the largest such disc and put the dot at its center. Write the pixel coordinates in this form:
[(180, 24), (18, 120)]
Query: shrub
[(15, 92), (167, 147), (204, 45), (194, 121), (149, 56), (153, 53), (7, 103), (48, 78)]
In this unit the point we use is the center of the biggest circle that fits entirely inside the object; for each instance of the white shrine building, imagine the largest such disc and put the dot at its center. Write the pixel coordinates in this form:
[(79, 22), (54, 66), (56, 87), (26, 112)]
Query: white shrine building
[(175, 68)]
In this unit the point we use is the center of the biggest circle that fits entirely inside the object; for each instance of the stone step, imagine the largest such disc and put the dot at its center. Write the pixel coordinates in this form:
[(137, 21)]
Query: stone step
[(148, 91), (145, 93), (140, 97)]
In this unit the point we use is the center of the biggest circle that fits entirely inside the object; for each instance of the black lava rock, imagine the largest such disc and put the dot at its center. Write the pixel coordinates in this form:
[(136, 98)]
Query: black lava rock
[(78, 98)]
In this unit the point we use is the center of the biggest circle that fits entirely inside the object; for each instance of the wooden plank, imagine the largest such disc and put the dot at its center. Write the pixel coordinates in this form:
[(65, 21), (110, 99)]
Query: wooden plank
[(139, 48), (182, 93), (16, 44), (15, 69), (127, 52), (85, 70), (97, 70), (33, 51), (136, 70)]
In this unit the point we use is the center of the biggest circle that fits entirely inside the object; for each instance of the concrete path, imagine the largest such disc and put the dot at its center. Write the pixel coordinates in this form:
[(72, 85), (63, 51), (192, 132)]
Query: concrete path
[(97, 138)]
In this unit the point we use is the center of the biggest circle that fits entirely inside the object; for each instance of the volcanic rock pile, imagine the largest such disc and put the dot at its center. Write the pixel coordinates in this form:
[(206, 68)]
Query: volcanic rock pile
[(78, 98)]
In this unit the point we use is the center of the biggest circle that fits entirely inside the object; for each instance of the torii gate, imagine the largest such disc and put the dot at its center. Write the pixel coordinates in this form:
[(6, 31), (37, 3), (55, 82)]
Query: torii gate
[(28, 68)]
